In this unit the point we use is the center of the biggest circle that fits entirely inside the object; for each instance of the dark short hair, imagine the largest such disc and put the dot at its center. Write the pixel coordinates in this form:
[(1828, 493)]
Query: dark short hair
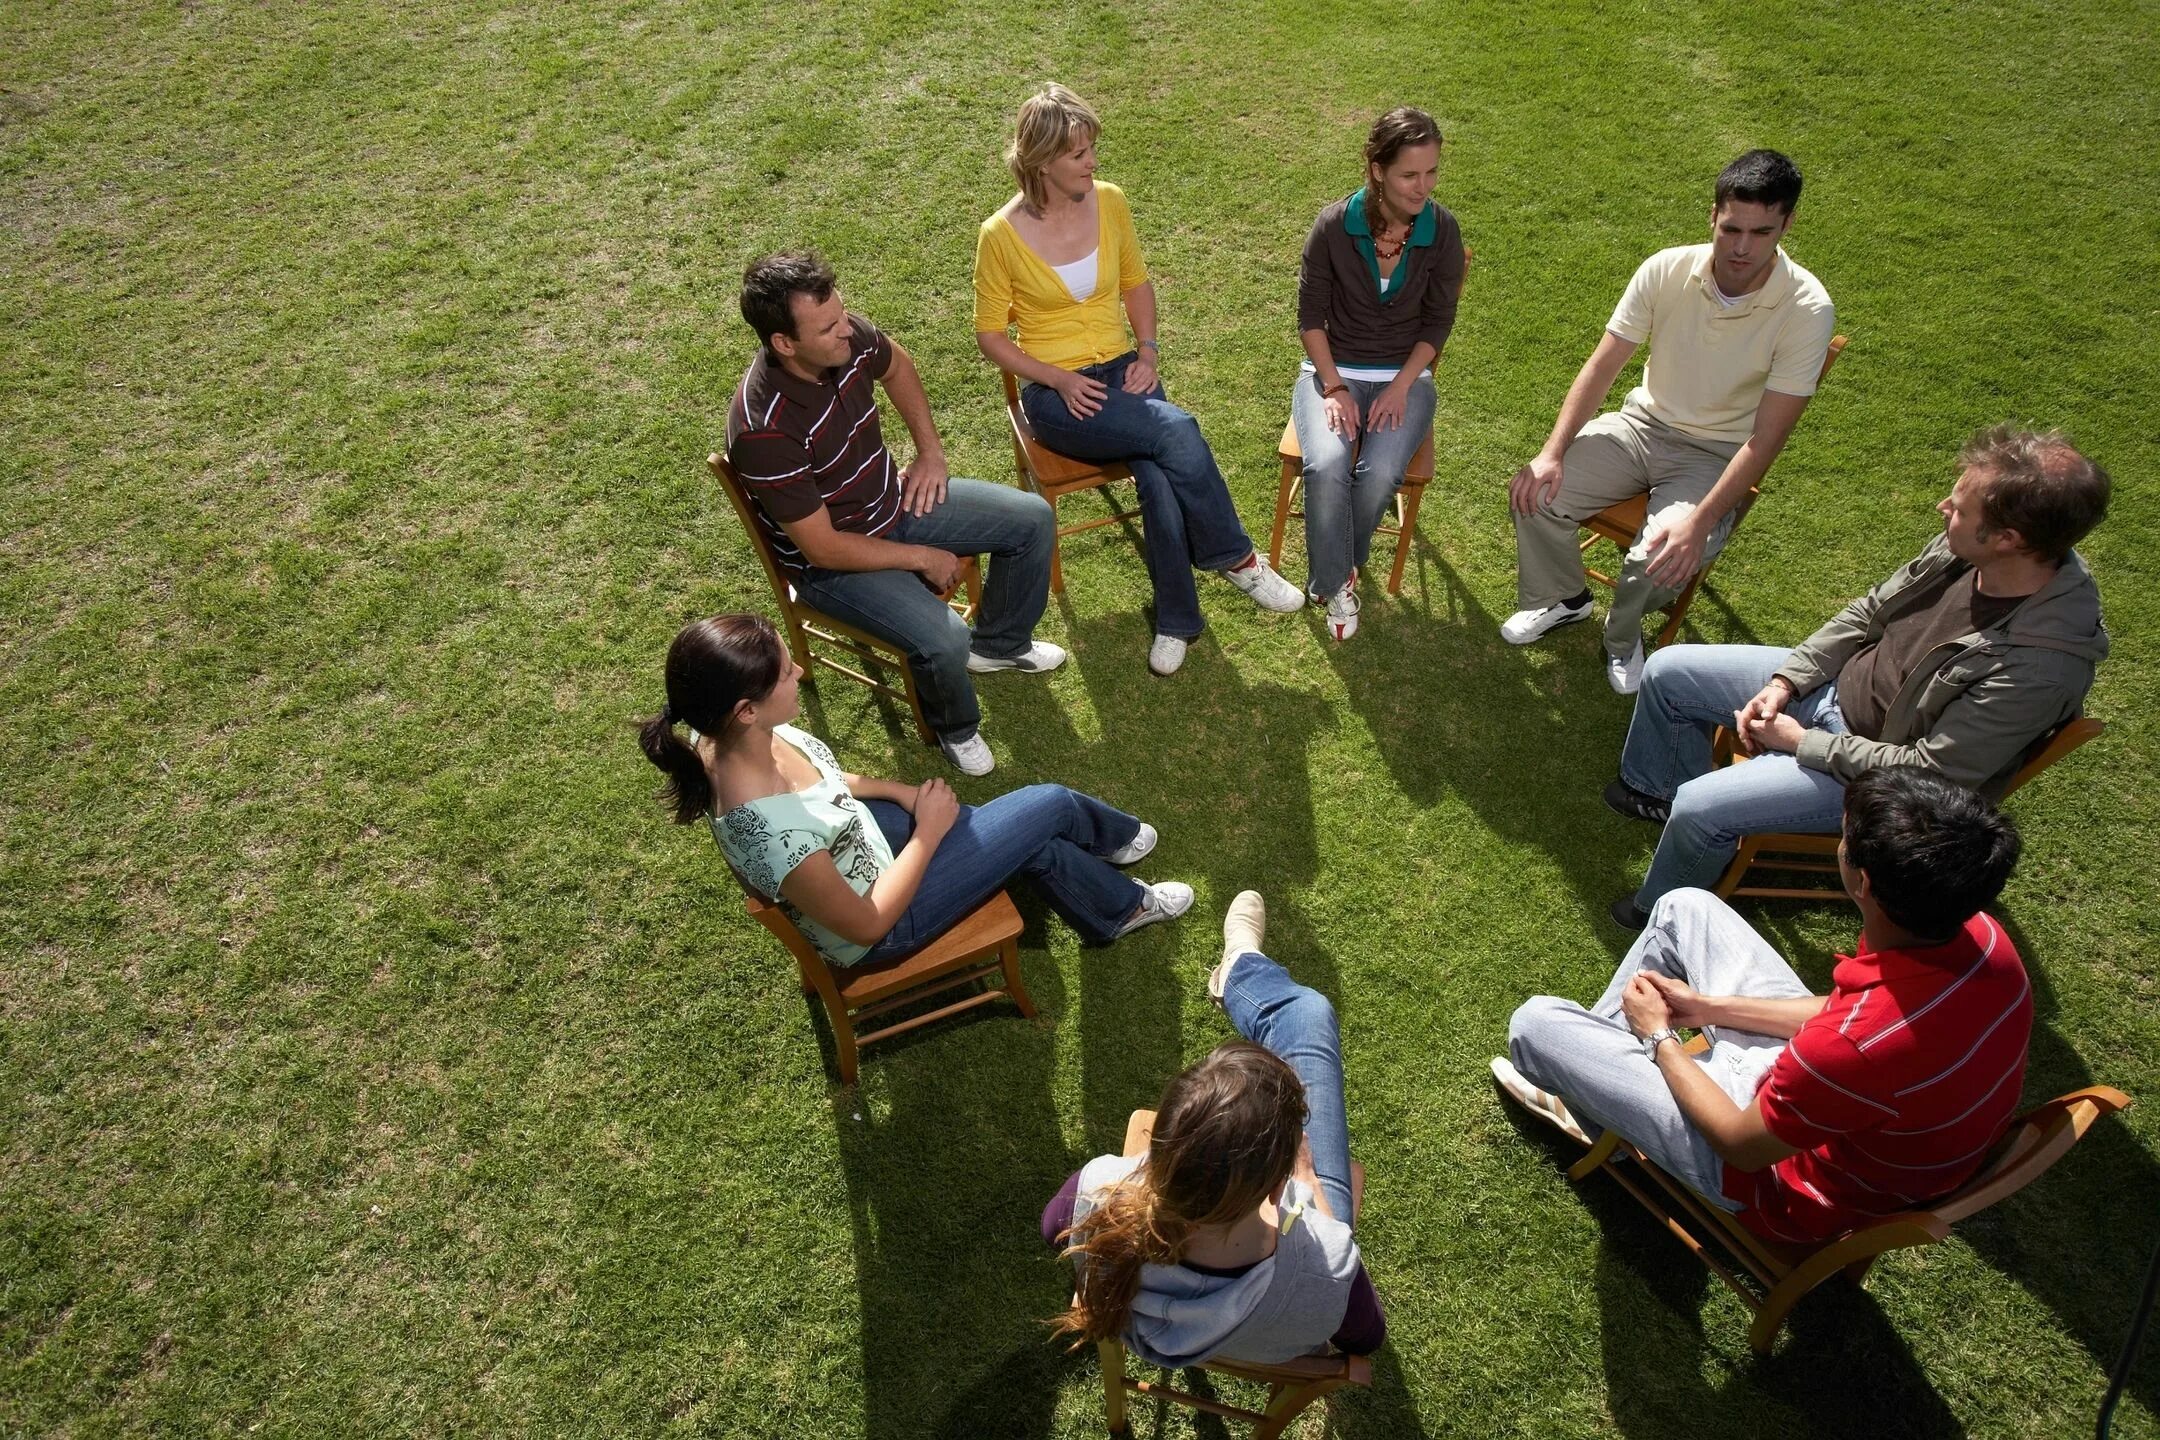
[(770, 285), (1935, 854), (2038, 484), (1760, 177)]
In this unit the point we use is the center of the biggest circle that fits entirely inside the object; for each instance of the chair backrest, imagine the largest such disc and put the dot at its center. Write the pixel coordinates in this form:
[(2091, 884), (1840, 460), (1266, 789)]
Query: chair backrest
[(2037, 1139), (746, 512), (2059, 742), (1837, 348)]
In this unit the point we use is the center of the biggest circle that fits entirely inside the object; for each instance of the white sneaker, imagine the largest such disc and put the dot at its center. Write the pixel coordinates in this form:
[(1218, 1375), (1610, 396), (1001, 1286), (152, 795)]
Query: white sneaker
[(1625, 676), (970, 756), (1524, 626), (1166, 654), (1244, 928), (1542, 1103), (1268, 590), (1165, 901), (1342, 611), (1040, 655), (1137, 849)]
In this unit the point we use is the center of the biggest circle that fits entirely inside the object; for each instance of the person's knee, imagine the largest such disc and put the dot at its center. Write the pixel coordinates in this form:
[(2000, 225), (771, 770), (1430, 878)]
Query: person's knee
[(1530, 1033), (1181, 439), (945, 647), (1698, 810), (1040, 520), (1313, 1014)]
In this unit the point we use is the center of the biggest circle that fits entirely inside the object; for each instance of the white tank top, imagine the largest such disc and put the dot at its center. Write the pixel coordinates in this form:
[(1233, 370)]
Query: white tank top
[(1079, 277)]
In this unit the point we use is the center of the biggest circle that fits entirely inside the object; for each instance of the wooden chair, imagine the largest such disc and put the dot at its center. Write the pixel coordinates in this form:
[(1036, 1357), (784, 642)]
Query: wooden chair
[(1053, 476), (1798, 854), (1408, 497), (984, 947), (802, 623), (1292, 1385), (1621, 523), (1780, 1275)]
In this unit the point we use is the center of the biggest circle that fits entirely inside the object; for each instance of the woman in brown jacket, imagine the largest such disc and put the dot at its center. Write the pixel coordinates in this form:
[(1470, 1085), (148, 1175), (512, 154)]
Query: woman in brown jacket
[(1376, 299)]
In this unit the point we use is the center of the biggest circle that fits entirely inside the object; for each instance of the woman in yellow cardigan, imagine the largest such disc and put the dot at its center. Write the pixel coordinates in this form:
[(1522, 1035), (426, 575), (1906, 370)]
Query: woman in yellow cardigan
[(1061, 263)]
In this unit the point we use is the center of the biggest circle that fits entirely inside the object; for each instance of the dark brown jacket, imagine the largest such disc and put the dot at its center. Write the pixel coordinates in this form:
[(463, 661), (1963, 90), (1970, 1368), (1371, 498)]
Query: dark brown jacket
[(1339, 285)]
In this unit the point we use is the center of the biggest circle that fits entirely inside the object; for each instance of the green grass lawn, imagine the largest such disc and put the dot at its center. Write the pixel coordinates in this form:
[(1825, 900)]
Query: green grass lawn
[(376, 1059)]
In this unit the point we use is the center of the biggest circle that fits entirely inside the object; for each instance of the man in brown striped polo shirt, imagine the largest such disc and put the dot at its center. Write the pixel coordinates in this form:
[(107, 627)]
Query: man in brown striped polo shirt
[(862, 538)]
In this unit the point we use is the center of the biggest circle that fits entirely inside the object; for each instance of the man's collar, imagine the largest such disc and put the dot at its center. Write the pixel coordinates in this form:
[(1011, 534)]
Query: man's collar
[(1865, 967), (793, 386), (1775, 290), (1422, 231)]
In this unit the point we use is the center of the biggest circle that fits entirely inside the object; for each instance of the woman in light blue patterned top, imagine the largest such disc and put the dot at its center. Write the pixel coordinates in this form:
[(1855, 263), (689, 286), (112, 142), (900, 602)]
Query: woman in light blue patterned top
[(870, 870)]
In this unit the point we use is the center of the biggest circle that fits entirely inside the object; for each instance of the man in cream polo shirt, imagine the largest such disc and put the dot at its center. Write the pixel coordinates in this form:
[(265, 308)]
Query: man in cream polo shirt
[(1737, 335)]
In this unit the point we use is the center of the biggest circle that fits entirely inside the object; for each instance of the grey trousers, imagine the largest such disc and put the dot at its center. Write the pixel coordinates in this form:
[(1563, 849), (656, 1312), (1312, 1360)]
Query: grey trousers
[(1614, 458), (1594, 1062)]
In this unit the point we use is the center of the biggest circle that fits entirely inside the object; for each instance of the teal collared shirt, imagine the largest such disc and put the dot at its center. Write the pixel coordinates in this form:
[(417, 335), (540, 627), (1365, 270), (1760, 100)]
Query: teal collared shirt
[(1422, 232)]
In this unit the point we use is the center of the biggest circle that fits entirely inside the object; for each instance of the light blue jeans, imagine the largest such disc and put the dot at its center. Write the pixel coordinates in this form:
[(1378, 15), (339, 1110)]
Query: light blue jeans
[(1187, 520), (1593, 1061), (1347, 491), (1687, 691), (1296, 1024)]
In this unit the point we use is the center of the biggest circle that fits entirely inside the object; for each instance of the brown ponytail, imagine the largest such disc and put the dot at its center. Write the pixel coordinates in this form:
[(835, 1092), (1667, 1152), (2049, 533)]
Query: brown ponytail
[(712, 666), (1226, 1137)]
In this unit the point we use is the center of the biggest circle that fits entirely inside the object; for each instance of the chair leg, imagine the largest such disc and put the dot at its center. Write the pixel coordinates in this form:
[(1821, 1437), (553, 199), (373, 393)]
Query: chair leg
[(1678, 613), (1285, 1404), (914, 703), (1290, 471), (1595, 1156), (1057, 555), (1112, 1354), (798, 639), (1009, 959), (1408, 535), (1743, 859)]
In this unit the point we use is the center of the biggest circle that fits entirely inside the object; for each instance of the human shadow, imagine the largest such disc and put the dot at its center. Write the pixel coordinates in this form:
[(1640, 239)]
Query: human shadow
[(949, 1153), (1254, 831), (2078, 1239), (1526, 741), (1670, 1368)]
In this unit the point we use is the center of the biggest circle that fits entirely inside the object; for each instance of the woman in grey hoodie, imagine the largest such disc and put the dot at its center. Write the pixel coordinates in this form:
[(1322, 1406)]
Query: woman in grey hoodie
[(1231, 1236)]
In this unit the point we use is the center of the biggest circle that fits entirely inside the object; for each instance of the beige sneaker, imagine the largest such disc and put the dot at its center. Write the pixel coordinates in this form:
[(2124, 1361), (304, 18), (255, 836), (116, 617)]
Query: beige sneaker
[(1542, 1103), (1244, 927)]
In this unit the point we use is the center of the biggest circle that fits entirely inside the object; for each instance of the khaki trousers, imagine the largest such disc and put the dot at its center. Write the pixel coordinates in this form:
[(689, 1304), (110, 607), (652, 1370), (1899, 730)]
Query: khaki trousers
[(1617, 456)]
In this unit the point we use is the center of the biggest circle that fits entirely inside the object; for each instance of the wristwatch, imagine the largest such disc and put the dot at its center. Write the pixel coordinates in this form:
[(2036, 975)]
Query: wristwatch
[(1656, 1038), (1150, 345)]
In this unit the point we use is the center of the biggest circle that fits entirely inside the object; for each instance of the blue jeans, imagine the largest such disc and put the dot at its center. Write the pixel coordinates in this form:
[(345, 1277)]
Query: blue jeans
[(1347, 492), (1186, 518), (1016, 530), (1688, 690), (1297, 1025), (1050, 834)]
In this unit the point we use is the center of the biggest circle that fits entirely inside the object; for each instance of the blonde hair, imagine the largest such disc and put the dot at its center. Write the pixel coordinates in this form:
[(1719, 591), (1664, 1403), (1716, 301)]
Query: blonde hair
[(1048, 120)]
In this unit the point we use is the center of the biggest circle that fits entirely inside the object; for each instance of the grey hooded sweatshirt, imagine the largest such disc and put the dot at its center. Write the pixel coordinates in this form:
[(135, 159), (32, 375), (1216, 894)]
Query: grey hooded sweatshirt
[(1285, 1306), (1972, 707)]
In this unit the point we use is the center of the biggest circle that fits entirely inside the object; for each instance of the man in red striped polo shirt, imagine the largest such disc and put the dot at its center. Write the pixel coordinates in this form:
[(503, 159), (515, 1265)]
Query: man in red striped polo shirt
[(1811, 1114)]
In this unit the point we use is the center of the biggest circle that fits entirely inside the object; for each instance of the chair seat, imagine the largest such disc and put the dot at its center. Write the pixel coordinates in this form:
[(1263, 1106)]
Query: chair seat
[(1419, 472), (1622, 522), (994, 921)]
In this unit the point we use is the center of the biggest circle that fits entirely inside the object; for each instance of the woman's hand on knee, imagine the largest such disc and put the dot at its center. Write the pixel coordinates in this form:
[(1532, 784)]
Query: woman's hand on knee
[(935, 808)]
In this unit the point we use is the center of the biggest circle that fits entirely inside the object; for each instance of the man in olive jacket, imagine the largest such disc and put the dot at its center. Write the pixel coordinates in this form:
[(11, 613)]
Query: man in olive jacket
[(1959, 663)]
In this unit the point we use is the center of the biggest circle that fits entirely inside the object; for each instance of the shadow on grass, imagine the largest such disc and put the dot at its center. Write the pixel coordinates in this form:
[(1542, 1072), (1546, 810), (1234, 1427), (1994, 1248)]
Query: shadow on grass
[(1455, 710), (952, 1273)]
